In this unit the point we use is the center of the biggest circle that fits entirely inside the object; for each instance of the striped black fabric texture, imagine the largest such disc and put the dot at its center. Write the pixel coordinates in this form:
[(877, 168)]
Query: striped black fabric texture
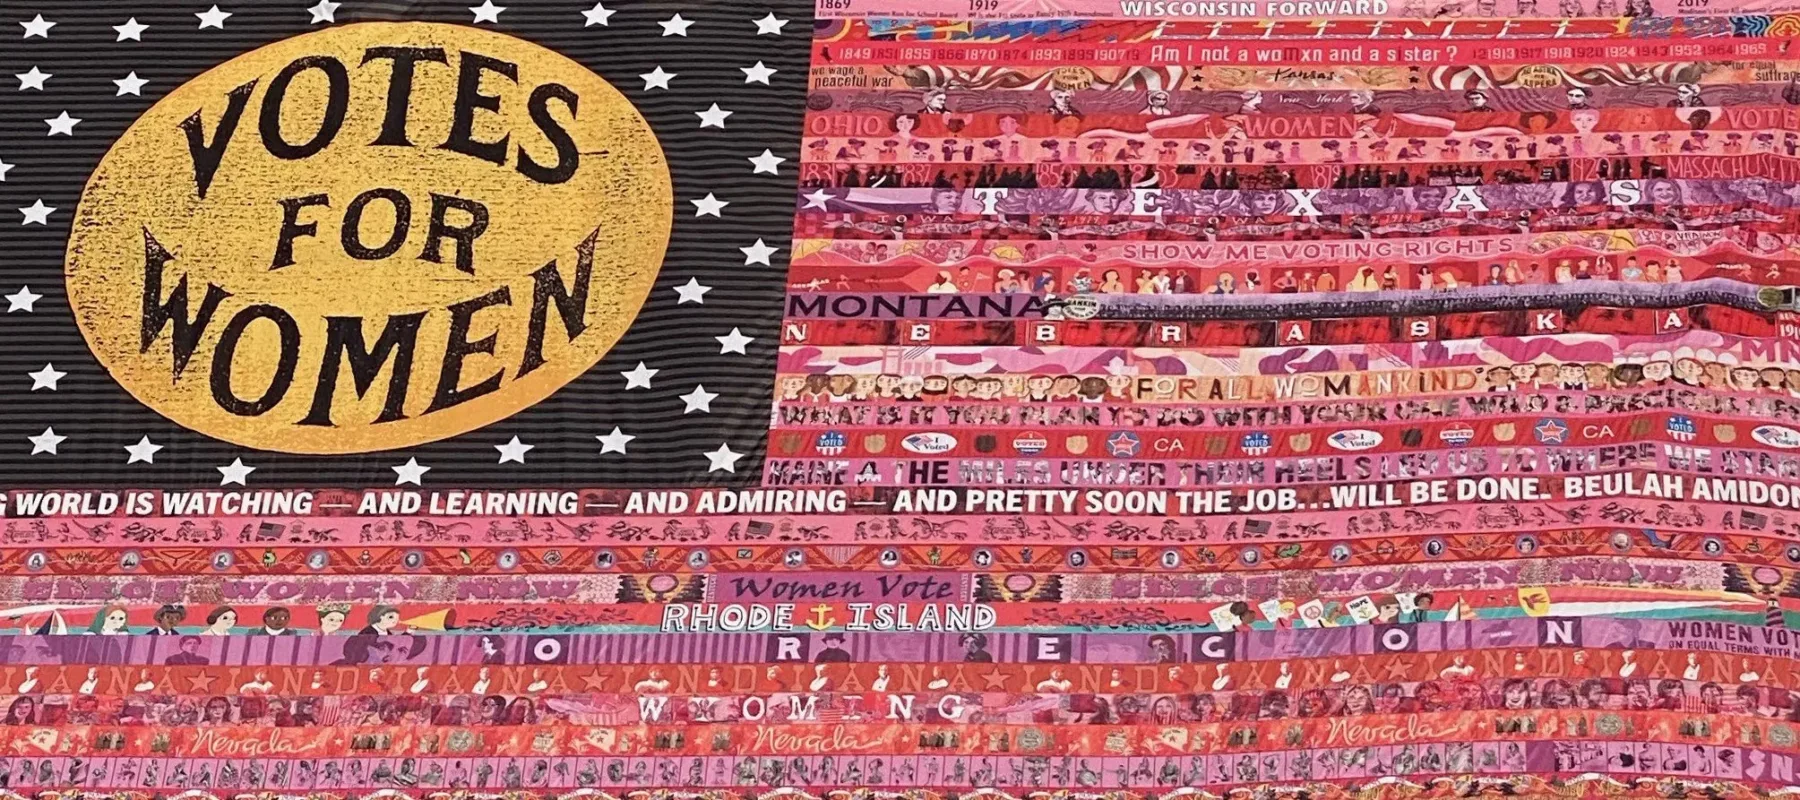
[(100, 419)]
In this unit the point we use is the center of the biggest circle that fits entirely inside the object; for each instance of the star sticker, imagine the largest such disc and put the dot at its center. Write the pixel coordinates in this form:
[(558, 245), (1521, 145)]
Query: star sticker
[(144, 450), (817, 199), (722, 459), (757, 74), (757, 253), (692, 292), (201, 683), (409, 472), (698, 400), (657, 79), (45, 442), (1551, 431), (4, 168), (325, 11), (675, 26), (708, 206), (130, 84), (130, 31), (63, 124), (46, 378), (614, 442), (235, 472), (713, 117), (33, 79), (639, 378), (212, 18), (37, 213), (769, 25), (767, 162), (38, 26), (22, 300), (1123, 444), (514, 450), (598, 15), (487, 12), (734, 342)]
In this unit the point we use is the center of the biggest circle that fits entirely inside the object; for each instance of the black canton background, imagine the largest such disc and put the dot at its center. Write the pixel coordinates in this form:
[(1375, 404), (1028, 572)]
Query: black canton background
[(100, 418)]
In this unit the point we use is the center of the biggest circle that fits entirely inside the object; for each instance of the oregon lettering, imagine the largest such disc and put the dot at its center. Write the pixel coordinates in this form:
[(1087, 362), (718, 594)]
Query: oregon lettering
[(369, 237)]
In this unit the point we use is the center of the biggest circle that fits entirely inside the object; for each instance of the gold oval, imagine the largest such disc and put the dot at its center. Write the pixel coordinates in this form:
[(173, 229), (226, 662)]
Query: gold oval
[(145, 197)]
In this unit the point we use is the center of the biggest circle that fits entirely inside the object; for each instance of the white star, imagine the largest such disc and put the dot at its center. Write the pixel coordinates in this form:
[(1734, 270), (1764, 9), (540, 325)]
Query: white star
[(614, 442), (722, 459), (757, 253), (767, 162), (37, 213), (734, 342), (45, 442), (38, 26), (656, 79), (46, 378), (598, 15), (22, 300), (692, 292), (757, 74), (325, 11), (144, 450), (817, 199), (487, 12), (33, 79), (4, 168), (769, 25), (514, 450), (639, 378), (212, 18), (131, 30), (708, 206), (62, 124), (675, 26), (235, 472), (713, 117), (699, 400), (130, 84), (409, 472)]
